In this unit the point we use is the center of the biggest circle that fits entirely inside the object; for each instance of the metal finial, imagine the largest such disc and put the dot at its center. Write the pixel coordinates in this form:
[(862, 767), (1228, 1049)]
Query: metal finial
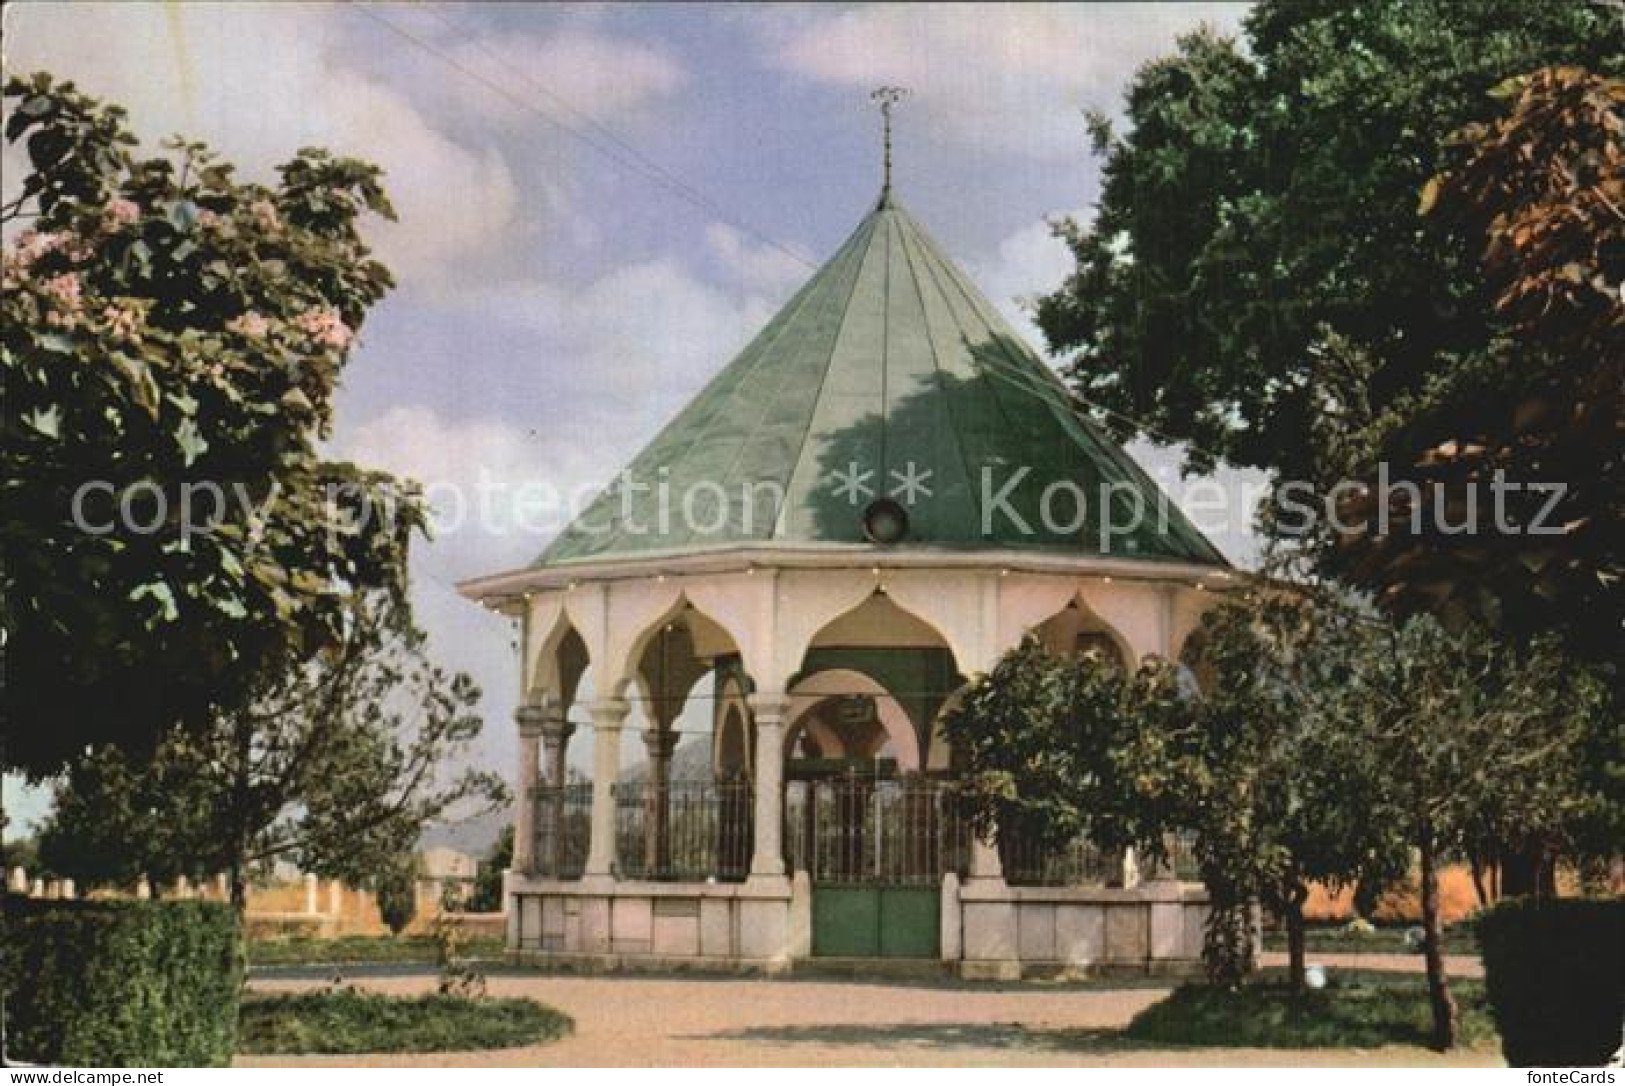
[(887, 97)]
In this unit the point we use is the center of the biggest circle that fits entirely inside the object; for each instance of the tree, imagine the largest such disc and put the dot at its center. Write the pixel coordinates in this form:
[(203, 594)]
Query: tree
[(1275, 791), (1051, 750), (397, 888), (336, 766), (1265, 196), (1451, 719), (487, 896), (172, 338), (1543, 189), (1061, 748)]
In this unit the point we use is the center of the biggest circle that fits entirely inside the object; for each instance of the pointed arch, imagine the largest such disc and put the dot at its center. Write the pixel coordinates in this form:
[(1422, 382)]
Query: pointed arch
[(808, 694)]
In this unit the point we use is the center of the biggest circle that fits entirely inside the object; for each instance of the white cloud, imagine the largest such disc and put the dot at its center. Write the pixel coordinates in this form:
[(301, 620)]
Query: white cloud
[(1028, 263), (593, 75), (762, 267), (258, 82), (1008, 78)]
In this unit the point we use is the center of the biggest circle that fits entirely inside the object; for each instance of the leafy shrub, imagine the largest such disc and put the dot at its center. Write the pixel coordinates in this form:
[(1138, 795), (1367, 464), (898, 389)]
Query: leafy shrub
[(364, 1022), (487, 896), (398, 894), (1362, 1011), (120, 983), (1553, 972)]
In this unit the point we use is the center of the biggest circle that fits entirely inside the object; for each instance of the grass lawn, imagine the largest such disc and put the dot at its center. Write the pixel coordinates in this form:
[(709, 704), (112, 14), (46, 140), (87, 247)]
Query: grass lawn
[(1354, 1011), (354, 949), (349, 1022), (1337, 939)]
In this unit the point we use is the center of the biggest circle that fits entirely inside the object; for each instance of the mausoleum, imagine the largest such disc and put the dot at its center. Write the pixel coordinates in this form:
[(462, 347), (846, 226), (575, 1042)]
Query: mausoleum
[(885, 491)]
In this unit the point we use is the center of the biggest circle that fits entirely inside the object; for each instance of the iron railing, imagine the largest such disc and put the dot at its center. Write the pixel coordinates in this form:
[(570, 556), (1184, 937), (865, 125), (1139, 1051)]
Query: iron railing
[(684, 831), (1079, 863), (563, 829), (862, 830)]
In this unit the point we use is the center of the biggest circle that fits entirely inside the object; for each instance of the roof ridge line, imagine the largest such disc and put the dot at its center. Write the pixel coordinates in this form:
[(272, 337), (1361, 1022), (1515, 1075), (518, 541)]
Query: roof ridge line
[(941, 375), (823, 378)]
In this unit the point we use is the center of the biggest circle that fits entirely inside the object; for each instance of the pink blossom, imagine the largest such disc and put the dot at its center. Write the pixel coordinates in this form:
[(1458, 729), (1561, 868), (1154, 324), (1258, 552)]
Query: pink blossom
[(65, 289), (123, 323), (326, 327), (123, 212), (250, 324), (33, 244)]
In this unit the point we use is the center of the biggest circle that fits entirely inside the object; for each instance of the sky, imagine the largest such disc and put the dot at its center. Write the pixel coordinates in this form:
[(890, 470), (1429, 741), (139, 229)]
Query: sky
[(600, 205)]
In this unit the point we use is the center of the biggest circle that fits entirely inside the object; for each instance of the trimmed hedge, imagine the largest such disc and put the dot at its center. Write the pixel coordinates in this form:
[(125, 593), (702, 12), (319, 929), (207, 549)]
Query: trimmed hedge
[(120, 983), (1554, 971)]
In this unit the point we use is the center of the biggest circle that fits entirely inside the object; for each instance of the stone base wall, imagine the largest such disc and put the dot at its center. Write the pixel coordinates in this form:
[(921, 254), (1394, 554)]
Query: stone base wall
[(763, 924), (1006, 932), (989, 930)]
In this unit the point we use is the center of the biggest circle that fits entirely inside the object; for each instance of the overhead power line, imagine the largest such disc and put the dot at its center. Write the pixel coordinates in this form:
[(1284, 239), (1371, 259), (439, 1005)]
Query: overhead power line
[(589, 131)]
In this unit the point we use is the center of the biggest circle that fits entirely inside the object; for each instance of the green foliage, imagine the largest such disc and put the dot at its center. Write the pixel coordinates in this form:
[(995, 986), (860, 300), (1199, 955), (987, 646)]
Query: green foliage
[(353, 949), (337, 769), (1265, 194), (397, 890), (1475, 742), (458, 976), (1333, 245), (169, 326), (118, 984), (1553, 973), (1542, 190), (1366, 1012), (1056, 748), (487, 896), (353, 1023), (1276, 792)]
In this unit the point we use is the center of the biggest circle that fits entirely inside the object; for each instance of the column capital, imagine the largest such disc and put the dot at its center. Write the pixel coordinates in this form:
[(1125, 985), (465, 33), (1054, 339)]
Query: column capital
[(768, 707), (532, 719), (608, 713), (660, 742)]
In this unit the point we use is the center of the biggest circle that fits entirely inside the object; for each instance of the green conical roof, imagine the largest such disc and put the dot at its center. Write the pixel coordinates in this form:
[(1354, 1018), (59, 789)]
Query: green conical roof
[(887, 358)]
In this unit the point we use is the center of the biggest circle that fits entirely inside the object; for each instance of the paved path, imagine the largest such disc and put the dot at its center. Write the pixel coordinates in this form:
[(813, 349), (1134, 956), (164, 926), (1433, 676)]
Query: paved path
[(692, 1021)]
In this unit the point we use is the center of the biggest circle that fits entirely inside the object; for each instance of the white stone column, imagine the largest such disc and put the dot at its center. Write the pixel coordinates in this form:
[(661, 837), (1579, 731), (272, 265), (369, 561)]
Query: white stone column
[(659, 742), (985, 864), (608, 717), (310, 895), (556, 732), (529, 718), (768, 712)]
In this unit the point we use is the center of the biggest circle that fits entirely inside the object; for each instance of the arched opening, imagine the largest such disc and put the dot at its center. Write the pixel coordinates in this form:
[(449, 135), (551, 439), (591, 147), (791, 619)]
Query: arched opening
[(683, 810), (1076, 631), (858, 803)]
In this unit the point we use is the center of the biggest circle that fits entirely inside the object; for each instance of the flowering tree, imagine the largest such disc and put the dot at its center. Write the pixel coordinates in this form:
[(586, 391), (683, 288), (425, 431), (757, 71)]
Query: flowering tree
[(172, 341)]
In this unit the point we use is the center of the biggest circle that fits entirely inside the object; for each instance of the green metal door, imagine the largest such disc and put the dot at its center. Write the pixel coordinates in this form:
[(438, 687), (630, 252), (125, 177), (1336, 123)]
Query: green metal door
[(877, 850), (876, 921), (910, 917), (846, 921)]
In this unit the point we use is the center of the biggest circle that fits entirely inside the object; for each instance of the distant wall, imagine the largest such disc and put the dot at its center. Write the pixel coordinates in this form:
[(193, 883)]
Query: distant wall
[(305, 905), (1457, 898)]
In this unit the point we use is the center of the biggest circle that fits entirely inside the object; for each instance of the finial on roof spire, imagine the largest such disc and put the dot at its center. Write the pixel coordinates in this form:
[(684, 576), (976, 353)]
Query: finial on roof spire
[(887, 97)]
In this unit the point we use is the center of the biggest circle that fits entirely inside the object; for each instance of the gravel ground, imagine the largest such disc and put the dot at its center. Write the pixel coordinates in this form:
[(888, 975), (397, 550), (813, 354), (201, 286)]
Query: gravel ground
[(693, 1021)]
